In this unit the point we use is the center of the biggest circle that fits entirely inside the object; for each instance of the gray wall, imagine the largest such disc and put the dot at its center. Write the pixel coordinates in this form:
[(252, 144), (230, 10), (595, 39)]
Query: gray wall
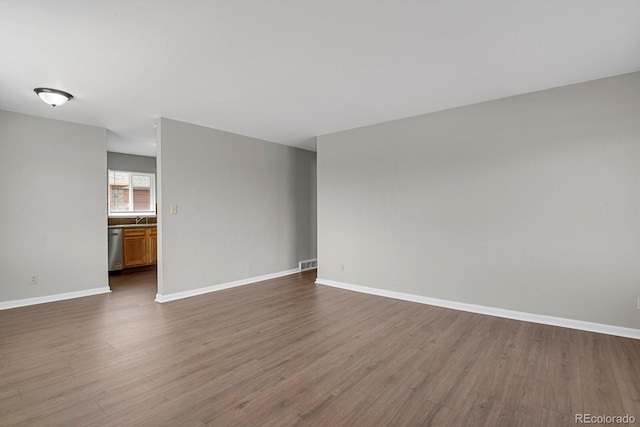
[(244, 207), (313, 200), (53, 217), (130, 162), (530, 203)]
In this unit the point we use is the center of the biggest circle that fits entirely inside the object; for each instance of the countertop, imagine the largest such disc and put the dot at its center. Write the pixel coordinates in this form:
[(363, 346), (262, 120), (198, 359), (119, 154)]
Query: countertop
[(132, 225)]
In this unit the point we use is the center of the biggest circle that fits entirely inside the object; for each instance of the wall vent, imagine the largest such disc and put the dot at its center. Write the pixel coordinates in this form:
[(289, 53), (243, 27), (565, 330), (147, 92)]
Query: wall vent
[(308, 264)]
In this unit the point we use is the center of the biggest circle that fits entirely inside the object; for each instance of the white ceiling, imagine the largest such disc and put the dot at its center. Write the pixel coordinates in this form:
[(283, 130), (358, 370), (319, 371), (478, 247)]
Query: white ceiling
[(286, 71)]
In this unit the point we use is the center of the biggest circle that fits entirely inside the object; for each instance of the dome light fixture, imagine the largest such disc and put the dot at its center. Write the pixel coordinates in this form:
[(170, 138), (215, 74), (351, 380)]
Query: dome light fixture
[(53, 97)]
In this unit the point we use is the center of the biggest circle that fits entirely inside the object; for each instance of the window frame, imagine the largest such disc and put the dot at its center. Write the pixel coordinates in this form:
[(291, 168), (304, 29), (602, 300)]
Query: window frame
[(132, 213)]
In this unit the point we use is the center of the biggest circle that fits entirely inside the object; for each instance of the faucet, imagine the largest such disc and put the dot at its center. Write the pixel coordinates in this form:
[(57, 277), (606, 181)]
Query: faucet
[(140, 218)]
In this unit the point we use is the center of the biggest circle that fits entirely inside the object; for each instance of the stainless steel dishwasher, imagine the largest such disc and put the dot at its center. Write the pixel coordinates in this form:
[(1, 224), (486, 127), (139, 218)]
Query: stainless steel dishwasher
[(115, 249)]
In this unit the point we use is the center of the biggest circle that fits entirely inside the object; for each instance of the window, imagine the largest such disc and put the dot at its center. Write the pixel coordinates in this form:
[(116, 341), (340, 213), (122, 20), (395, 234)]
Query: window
[(132, 193)]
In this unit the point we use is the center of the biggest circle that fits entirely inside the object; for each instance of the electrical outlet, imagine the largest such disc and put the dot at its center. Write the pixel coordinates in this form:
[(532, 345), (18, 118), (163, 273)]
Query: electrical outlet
[(342, 267), (638, 306), (33, 279)]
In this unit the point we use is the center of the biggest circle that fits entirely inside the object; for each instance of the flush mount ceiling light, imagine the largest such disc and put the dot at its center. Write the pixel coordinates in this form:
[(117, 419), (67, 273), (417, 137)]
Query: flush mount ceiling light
[(53, 97)]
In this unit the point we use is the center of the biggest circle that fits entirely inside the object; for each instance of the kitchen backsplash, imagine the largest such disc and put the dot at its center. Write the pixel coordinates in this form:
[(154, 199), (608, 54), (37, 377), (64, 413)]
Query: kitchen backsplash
[(123, 221)]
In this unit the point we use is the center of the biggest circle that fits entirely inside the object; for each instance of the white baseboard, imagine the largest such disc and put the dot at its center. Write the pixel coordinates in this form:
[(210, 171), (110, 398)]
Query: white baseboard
[(491, 311), (4, 305), (214, 288)]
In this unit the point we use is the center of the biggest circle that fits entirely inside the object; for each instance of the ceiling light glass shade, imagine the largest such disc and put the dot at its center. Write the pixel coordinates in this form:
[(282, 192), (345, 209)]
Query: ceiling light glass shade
[(53, 97)]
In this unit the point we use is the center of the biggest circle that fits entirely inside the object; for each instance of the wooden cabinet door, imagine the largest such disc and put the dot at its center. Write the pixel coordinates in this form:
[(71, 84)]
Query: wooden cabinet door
[(134, 247), (134, 251), (152, 246)]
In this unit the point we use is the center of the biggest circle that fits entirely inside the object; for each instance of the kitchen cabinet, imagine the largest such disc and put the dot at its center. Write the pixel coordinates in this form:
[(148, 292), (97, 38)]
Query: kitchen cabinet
[(139, 246)]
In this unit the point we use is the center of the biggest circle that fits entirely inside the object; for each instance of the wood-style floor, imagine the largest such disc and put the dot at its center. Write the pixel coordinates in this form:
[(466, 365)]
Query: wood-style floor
[(287, 352)]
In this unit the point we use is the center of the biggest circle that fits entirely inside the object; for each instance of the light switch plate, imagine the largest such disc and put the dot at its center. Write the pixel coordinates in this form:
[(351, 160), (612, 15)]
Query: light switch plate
[(174, 209)]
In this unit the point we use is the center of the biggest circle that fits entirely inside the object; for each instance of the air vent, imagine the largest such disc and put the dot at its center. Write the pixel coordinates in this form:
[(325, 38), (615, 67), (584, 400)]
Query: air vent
[(309, 264)]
